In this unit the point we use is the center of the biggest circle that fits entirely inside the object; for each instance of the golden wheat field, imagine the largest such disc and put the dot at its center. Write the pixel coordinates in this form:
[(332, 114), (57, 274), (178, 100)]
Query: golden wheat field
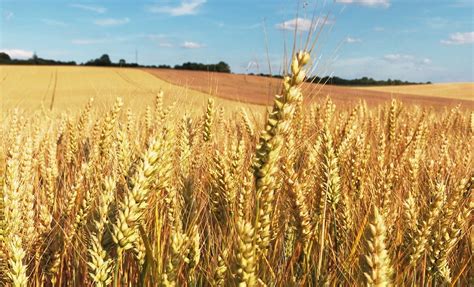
[(69, 88), (450, 90), (180, 189)]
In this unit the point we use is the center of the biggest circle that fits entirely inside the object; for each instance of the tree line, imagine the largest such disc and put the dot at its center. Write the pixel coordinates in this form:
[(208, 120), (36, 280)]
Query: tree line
[(105, 61), (222, 67), (35, 60), (364, 81)]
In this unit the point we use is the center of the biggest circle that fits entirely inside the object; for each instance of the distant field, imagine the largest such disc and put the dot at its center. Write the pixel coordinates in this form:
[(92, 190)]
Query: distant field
[(260, 90), (450, 91), (33, 87), (69, 88)]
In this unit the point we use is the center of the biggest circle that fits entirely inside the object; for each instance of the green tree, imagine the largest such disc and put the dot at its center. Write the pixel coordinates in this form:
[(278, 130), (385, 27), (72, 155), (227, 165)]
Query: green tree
[(104, 60), (222, 67), (4, 57)]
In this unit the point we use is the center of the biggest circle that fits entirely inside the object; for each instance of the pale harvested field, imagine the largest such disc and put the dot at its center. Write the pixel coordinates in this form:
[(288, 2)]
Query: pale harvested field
[(34, 87), (464, 91), (260, 90)]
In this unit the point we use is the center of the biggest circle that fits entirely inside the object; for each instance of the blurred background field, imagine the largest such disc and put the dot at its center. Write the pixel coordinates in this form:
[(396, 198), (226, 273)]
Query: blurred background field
[(68, 88), (463, 91)]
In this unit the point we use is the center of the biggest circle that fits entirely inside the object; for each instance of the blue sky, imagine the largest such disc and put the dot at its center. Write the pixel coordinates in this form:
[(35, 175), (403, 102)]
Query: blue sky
[(416, 40)]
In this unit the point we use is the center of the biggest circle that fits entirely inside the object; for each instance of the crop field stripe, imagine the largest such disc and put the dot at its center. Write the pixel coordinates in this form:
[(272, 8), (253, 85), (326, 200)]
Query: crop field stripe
[(3, 79), (54, 89), (131, 82), (208, 91), (45, 95), (258, 90)]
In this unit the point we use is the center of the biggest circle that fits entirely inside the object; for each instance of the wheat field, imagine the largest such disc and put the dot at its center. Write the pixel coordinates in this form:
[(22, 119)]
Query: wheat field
[(260, 90), (304, 195), (446, 90), (63, 88)]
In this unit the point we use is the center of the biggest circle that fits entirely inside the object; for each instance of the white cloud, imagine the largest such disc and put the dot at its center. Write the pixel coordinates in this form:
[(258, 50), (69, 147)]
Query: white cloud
[(186, 7), (397, 57), (18, 53), (351, 40), (53, 22), (303, 24), (379, 29), (161, 39), (192, 45), (459, 39), (92, 8), (300, 23), (8, 15), (111, 22), (426, 61), (369, 3), (394, 66), (409, 60)]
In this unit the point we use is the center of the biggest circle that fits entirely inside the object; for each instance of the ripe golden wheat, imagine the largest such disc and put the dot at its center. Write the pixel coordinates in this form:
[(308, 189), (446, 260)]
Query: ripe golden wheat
[(313, 196)]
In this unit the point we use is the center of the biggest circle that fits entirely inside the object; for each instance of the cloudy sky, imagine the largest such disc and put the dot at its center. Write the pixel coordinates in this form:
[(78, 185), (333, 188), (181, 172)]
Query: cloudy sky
[(415, 40)]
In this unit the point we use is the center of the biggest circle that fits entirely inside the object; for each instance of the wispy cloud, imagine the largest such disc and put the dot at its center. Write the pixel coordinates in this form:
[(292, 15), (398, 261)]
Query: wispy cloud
[(394, 66), (186, 7), (221, 24), (192, 45), (303, 24), (91, 8), (351, 40), (369, 3), (406, 59), (379, 29), (53, 22), (247, 27), (459, 39), (438, 22), (461, 4), (161, 39), (18, 53), (112, 21), (8, 15)]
